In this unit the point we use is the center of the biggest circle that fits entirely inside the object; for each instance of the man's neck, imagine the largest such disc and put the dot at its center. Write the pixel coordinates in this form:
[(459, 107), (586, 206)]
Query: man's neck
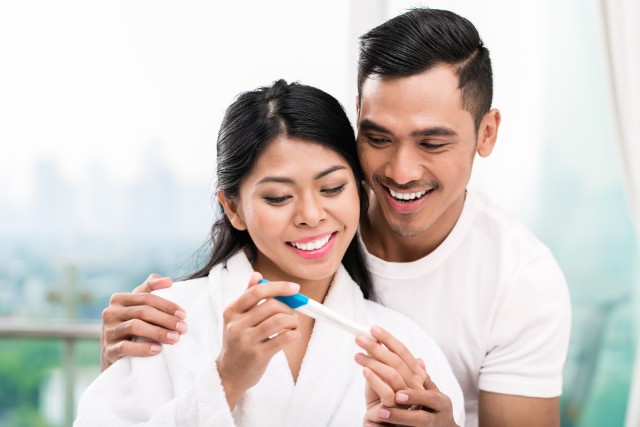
[(384, 243)]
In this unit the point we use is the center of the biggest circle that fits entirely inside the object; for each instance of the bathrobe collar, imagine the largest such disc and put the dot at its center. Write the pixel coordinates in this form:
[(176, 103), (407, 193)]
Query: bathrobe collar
[(327, 368)]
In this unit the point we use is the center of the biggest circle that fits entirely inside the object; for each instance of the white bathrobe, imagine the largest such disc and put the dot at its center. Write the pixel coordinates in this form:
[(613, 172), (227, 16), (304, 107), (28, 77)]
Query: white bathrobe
[(181, 386)]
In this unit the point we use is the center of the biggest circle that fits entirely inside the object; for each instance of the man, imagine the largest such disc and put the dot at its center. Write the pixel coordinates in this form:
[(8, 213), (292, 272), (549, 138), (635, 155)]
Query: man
[(485, 288)]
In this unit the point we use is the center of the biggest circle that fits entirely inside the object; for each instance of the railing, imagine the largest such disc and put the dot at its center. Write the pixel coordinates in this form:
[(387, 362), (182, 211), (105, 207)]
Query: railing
[(69, 333)]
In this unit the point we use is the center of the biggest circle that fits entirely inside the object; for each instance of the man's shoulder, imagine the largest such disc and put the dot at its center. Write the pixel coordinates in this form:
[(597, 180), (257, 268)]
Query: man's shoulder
[(500, 229)]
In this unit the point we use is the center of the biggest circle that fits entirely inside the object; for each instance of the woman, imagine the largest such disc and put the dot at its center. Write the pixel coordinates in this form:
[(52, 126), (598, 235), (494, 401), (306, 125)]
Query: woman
[(290, 190)]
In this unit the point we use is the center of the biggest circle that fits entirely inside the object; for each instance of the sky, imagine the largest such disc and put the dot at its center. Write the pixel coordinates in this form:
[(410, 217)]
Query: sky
[(86, 84)]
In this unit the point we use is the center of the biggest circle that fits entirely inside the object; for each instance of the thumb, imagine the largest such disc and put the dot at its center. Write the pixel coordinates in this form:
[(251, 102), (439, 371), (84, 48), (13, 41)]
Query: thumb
[(153, 282), (254, 279)]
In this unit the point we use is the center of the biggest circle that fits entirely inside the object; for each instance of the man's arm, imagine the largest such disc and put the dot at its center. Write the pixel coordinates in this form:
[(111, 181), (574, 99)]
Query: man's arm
[(502, 410), (139, 314)]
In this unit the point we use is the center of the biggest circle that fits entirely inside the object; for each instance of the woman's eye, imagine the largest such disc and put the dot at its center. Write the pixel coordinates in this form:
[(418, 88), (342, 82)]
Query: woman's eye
[(334, 190), (276, 200)]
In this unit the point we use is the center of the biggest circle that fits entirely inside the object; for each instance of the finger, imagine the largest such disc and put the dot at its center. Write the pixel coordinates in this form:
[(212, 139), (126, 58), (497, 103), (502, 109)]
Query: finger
[(388, 374), (153, 282), (398, 348), (430, 399), (154, 317), (280, 341), (262, 312), (130, 348), (255, 294), (254, 279), (400, 416), (387, 357), (382, 389), (129, 299), (274, 324), (138, 328)]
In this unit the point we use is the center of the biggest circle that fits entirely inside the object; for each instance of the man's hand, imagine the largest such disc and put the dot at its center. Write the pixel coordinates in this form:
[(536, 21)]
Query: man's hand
[(399, 391), (140, 314)]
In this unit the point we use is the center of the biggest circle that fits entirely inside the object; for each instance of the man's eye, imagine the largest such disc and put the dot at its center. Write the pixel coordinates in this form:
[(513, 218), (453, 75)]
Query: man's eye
[(430, 146), (334, 190), (377, 141), (276, 200)]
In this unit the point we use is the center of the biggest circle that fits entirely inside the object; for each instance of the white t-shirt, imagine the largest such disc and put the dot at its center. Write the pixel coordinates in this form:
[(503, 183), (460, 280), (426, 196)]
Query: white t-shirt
[(494, 299)]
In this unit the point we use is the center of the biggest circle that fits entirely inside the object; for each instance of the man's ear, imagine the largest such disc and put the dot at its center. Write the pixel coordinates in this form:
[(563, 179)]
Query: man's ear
[(231, 210), (357, 110), (488, 132)]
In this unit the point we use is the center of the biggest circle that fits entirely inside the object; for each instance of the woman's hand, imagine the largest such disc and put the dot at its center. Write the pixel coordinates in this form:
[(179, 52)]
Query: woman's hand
[(256, 327), (398, 389)]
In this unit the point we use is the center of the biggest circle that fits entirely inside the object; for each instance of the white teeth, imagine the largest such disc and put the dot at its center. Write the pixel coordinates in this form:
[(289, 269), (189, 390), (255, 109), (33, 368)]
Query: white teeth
[(312, 246), (406, 196)]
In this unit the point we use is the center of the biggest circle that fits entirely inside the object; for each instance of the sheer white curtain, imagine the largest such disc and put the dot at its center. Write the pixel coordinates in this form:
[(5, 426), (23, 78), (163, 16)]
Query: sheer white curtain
[(621, 36)]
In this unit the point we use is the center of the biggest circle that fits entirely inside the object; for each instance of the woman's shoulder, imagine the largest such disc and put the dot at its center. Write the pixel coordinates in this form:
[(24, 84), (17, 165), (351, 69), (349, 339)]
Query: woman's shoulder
[(185, 292)]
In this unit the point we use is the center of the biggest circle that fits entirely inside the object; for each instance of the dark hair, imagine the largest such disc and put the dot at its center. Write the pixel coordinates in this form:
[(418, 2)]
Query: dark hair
[(253, 121), (421, 39)]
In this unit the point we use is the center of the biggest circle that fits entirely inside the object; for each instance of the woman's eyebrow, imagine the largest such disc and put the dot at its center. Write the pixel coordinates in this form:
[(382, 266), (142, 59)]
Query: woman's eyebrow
[(285, 180), (328, 171)]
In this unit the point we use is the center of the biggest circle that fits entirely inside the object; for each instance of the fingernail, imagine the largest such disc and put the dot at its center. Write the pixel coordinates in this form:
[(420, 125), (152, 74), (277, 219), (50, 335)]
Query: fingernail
[(173, 337), (359, 357), (294, 287), (401, 397), (376, 329), (180, 314), (155, 348), (384, 413), (181, 327), (362, 339)]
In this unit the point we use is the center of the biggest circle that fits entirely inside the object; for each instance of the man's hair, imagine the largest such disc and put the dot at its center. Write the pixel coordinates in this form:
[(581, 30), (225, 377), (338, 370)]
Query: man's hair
[(421, 39)]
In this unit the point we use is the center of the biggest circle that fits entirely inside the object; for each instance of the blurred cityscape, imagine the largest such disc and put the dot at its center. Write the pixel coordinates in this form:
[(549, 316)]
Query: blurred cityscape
[(83, 242)]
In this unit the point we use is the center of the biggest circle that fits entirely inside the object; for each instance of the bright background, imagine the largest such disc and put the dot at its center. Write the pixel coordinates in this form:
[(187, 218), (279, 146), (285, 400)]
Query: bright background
[(108, 119)]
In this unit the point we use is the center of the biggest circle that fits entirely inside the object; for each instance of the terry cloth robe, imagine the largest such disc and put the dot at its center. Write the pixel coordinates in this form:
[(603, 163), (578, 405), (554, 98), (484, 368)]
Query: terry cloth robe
[(181, 385)]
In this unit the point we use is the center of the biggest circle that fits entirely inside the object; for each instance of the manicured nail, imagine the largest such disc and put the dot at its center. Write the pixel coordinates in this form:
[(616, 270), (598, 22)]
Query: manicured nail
[(384, 413), (155, 348), (173, 337), (359, 357), (401, 397), (376, 329), (181, 327), (294, 287), (180, 314)]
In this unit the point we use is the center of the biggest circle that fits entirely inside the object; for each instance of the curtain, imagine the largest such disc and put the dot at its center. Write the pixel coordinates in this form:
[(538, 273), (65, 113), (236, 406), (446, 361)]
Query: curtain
[(621, 41)]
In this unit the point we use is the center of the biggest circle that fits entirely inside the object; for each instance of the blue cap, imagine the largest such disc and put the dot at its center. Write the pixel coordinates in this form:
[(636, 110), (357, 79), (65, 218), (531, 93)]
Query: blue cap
[(293, 301)]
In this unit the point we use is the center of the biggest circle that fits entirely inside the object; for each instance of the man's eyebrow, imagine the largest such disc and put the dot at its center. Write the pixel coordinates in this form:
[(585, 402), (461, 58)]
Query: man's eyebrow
[(285, 180), (367, 124), (435, 131)]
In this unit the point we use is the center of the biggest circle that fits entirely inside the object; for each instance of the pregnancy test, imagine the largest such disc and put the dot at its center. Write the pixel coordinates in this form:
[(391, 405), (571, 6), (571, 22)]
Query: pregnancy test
[(314, 309)]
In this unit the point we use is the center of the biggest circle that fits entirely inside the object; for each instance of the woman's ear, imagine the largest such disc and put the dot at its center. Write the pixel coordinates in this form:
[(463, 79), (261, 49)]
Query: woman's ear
[(488, 132), (231, 210)]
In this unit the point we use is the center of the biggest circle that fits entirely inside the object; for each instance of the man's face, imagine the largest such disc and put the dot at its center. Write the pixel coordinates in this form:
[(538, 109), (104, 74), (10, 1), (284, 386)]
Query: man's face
[(416, 145)]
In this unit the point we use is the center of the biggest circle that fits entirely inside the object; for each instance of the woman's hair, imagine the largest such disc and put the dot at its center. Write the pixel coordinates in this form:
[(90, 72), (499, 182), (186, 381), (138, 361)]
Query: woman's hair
[(253, 121)]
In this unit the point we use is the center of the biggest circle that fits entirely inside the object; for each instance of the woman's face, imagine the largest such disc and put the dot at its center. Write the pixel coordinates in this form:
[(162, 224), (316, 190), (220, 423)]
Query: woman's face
[(300, 206)]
